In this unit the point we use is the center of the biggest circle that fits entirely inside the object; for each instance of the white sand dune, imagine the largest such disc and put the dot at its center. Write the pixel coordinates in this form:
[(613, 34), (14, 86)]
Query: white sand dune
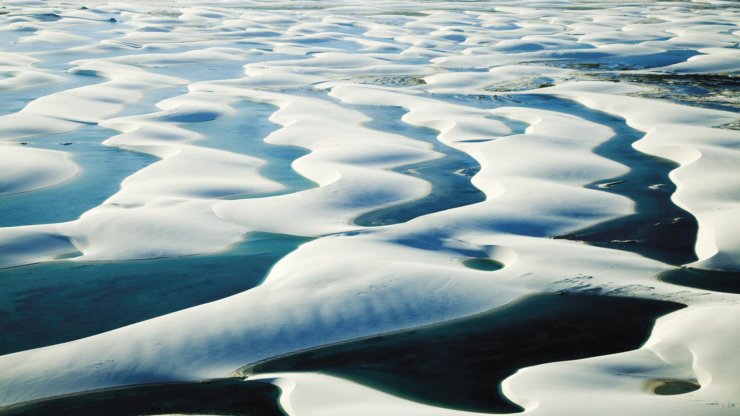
[(20, 72), (349, 163), (679, 349), (27, 169), (156, 74), (706, 180), (301, 394), (31, 244)]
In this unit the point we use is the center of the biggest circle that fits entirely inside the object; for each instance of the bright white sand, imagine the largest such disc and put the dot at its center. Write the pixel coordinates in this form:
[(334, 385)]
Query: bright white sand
[(313, 60), (302, 394), (27, 169)]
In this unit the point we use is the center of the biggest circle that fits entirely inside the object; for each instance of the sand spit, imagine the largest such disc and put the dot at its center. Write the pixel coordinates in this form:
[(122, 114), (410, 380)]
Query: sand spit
[(352, 129)]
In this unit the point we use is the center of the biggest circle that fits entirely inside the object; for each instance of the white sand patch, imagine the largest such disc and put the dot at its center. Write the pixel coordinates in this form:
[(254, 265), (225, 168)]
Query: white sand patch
[(51, 36), (21, 74), (451, 82), (348, 162), (203, 55), (26, 169), (686, 346), (322, 298), (30, 169), (707, 185), (165, 228)]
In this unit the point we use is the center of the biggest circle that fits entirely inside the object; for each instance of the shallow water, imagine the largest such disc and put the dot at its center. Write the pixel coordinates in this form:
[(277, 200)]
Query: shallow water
[(67, 300), (449, 175), (487, 265), (213, 397), (659, 229), (602, 61), (674, 387), (102, 168), (719, 92), (244, 133), (15, 100)]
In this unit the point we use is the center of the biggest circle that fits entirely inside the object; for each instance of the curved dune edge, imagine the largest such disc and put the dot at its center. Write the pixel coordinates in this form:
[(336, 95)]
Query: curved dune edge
[(706, 184), (354, 284), (278, 278), (21, 74), (685, 345), (303, 394), (351, 165), (27, 169)]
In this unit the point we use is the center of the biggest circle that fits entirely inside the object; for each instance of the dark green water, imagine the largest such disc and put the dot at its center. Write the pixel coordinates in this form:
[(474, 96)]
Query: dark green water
[(659, 229), (589, 60), (718, 92), (103, 168), (449, 175), (53, 302), (674, 387), (244, 132), (210, 397), (715, 280), (487, 265), (460, 364)]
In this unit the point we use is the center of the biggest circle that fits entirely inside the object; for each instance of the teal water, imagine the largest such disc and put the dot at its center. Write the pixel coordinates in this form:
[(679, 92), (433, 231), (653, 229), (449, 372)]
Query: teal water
[(235, 397), (53, 302), (459, 364), (486, 265), (15, 100), (244, 132), (659, 229), (103, 168), (674, 387), (449, 175), (594, 60)]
